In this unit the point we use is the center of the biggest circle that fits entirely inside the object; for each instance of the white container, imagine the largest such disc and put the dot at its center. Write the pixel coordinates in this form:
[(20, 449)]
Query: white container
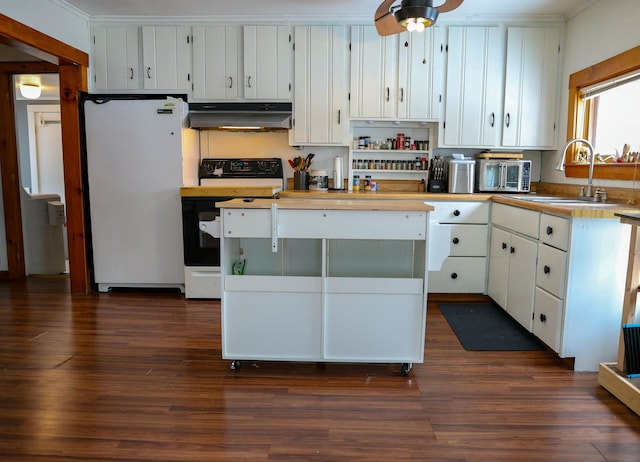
[(318, 180)]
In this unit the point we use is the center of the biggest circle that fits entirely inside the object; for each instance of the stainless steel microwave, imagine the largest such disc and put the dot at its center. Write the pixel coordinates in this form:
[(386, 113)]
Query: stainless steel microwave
[(503, 175)]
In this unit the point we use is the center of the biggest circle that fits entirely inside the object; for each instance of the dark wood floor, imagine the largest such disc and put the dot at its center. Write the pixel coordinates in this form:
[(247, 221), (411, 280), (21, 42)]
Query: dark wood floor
[(134, 376)]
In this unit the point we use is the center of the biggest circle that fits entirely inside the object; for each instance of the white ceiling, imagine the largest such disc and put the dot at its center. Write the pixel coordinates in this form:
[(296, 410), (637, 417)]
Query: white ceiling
[(309, 10)]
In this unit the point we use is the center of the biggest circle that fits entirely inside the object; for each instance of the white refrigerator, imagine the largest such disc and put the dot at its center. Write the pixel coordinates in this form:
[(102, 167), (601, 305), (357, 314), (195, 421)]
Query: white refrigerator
[(139, 152)]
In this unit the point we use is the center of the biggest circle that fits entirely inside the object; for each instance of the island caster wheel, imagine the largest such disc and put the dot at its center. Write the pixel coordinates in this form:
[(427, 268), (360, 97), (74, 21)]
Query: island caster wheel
[(235, 365), (406, 368)]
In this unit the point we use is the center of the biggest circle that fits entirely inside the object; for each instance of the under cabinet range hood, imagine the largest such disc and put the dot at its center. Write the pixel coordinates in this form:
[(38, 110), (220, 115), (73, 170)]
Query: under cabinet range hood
[(245, 116)]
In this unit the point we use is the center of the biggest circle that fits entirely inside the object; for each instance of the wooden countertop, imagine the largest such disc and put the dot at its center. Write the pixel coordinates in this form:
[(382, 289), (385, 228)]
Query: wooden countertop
[(229, 191), (377, 200), (588, 210), (329, 204), (359, 195)]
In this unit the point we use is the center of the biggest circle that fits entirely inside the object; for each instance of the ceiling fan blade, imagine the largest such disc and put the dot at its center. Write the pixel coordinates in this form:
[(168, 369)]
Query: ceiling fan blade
[(384, 9), (385, 21), (449, 5)]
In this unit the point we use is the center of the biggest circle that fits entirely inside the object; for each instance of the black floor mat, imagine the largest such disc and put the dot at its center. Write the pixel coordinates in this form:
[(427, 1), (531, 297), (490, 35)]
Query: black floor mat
[(487, 327)]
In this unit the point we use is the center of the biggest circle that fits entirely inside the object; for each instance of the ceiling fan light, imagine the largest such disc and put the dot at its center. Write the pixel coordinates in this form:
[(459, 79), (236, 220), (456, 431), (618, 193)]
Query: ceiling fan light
[(416, 15), (30, 90)]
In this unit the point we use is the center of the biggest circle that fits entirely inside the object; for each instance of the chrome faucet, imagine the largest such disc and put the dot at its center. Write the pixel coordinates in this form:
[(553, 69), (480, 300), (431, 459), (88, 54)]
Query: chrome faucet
[(592, 159)]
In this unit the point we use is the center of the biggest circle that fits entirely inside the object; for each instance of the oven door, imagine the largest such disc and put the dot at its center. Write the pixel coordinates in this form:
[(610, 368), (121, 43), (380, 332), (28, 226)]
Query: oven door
[(200, 220)]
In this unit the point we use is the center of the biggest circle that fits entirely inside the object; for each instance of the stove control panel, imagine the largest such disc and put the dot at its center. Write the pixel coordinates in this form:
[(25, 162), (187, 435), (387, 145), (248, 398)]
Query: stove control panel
[(241, 168)]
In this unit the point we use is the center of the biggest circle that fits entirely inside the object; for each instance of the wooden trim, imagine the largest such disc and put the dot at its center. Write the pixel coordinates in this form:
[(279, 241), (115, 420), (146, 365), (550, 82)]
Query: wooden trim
[(28, 67), (35, 43), (72, 70), (11, 180), (610, 171), (578, 122), (73, 79)]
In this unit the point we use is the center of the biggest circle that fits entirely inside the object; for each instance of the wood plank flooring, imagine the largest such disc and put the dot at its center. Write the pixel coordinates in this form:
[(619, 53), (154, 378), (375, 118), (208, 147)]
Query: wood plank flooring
[(138, 376)]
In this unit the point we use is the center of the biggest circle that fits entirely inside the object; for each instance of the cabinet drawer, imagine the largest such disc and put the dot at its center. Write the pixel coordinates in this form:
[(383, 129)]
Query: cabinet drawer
[(246, 223), (352, 224), (520, 220), (551, 269), (467, 240), (460, 212), (547, 319), (554, 231), (460, 275)]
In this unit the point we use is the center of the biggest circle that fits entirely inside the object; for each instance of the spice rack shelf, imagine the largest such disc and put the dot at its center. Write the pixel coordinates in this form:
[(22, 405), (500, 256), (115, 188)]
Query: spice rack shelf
[(393, 164)]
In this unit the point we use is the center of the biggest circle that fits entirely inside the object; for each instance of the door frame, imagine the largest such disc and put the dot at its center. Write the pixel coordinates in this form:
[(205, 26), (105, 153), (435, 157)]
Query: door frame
[(71, 65)]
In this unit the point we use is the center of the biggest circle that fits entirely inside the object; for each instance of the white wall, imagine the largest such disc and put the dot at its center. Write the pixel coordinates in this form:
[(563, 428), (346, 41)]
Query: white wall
[(603, 30), (53, 18)]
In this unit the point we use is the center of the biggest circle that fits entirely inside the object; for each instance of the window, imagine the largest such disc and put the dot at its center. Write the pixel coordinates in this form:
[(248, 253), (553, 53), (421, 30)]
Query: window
[(602, 101)]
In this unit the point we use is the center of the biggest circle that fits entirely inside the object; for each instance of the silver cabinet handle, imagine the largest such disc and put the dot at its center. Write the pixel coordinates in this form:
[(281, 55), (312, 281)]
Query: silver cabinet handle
[(230, 82), (249, 82), (148, 72), (402, 95)]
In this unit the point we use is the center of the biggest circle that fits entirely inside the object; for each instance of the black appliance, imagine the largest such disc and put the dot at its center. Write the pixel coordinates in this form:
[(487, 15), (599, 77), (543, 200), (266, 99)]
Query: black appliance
[(221, 180)]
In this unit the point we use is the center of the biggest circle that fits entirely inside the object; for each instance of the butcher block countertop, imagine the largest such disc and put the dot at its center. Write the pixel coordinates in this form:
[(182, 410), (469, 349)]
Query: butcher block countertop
[(329, 204), (349, 200), (586, 210)]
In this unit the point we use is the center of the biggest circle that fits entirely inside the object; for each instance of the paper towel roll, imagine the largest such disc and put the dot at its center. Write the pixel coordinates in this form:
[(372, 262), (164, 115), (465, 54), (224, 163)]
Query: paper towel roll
[(338, 175)]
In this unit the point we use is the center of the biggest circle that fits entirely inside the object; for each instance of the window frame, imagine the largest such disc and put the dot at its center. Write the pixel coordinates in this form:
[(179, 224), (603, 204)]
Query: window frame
[(579, 117)]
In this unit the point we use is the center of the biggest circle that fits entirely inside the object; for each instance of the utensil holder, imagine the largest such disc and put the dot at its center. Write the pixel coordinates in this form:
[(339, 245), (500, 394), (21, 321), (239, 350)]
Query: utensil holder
[(301, 180)]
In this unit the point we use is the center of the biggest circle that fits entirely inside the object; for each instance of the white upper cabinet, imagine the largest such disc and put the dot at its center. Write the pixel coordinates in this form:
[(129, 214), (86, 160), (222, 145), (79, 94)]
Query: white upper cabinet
[(531, 87), (234, 62), (420, 59), (115, 60), (166, 53), (473, 107), (396, 76), (267, 62), (321, 85), (216, 65), (484, 109)]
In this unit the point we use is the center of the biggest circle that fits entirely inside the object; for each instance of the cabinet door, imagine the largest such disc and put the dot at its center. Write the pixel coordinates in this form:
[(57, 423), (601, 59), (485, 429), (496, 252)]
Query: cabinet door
[(522, 279), (115, 58), (320, 85), (374, 64), (547, 322), (267, 62), (419, 75), (531, 87), (216, 62), (499, 266), (474, 85), (165, 57)]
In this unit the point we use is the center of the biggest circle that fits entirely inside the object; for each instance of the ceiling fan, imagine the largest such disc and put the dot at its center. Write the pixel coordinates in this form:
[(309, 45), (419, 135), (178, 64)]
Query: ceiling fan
[(411, 15)]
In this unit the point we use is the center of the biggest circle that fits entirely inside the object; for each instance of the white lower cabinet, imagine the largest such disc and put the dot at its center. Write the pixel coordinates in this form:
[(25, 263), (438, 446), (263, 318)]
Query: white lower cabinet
[(324, 285), (512, 261), (562, 278), (458, 244)]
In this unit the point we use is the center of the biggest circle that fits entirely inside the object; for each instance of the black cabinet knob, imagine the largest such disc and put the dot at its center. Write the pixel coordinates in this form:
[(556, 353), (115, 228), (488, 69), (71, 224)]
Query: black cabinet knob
[(456, 240), (512, 250), (504, 246), (546, 269), (549, 230), (456, 213), (543, 318), (454, 275)]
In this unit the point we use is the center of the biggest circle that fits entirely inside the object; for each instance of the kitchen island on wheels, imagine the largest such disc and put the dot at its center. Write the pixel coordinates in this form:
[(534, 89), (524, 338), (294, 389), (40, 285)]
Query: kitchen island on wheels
[(324, 281)]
